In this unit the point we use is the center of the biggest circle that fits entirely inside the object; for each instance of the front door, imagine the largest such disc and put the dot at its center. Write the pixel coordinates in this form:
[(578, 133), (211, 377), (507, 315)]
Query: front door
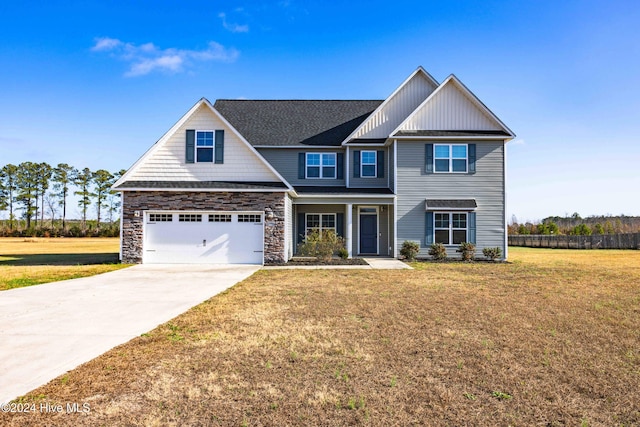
[(369, 233)]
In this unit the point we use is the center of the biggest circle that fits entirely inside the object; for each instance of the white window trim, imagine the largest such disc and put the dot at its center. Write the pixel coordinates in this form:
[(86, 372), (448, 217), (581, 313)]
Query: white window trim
[(374, 164), (306, 166), (213, 147), (320, 227), (451, 159), (450, 227)]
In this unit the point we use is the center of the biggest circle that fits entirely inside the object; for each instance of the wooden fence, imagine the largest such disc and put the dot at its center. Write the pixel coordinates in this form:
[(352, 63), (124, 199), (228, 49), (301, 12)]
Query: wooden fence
[(595, 241)]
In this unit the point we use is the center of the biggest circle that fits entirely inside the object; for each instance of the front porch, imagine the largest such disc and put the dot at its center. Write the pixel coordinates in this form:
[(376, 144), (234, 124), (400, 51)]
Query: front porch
[(367, 226)]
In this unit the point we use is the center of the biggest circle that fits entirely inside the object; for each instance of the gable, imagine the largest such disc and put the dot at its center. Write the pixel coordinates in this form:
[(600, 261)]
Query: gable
[(452, 107), (402, 102), (165, 161)]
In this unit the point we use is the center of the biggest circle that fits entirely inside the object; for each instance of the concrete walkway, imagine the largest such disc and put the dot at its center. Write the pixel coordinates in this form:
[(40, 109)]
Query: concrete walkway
[(372, 263), (49, 329)]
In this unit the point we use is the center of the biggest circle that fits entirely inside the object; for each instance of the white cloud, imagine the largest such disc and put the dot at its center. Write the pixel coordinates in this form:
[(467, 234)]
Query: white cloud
[(518, 142), (148, 57), (234, 28), (106, 43)]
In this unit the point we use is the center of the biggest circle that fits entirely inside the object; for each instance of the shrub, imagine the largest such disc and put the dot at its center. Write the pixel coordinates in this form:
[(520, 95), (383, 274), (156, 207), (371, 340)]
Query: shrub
[(467, 250), (438, 251), (321, 246), (492, 253), (409, 250), (343, 253)]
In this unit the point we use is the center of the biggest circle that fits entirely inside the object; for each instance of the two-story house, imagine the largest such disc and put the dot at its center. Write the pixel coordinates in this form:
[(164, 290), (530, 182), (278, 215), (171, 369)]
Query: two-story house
[(243, 181)]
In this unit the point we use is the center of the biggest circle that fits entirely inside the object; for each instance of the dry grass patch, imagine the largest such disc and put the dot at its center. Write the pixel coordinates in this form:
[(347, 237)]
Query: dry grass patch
[(541, 341), (32, 261)]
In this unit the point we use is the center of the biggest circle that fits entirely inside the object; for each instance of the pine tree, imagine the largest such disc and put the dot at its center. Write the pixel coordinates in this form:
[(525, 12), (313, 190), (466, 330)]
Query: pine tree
[(63, 176), (83, 181), (8, 182), (102, 180), (27, 188)]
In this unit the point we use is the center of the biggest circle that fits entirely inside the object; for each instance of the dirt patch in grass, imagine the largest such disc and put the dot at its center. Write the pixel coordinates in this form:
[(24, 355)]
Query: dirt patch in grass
[(550, 339), (32, 261)]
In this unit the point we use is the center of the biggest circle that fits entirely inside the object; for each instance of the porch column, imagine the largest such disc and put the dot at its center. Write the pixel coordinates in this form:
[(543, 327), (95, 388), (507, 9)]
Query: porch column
[(349, 229)]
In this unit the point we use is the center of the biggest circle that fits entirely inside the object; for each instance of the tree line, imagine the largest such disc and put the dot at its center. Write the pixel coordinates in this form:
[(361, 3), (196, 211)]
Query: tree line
[(30, 189), (576, 225)]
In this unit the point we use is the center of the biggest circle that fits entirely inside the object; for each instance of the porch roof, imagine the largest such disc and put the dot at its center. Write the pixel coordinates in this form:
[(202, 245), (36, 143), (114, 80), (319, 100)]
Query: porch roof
[(329, 190)]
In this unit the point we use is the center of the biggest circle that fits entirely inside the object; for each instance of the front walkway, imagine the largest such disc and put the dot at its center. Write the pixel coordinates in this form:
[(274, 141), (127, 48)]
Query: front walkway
[(373, 263), (49, 329)]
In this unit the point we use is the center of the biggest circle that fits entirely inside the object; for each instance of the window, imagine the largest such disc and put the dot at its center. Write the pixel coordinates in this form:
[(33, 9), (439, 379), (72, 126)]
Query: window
[(321, 165), (204, 146), (220, 218), (450, 158), (368, 164), (250, 218), (190, 218), (320, 222), (450, 228), (160, 217)]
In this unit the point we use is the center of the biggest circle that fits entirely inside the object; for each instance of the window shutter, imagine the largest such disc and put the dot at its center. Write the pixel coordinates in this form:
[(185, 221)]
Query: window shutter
[(380, 165), (190, 146), (301, 227), (428, 158), (429, 226), (301, 165), (356, 164), (472, 158), (471, 219), (219, 143), (340, 224), (340, 165)]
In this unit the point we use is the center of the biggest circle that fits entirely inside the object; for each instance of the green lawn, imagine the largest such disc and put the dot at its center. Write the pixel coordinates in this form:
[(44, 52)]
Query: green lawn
[(32, 261)]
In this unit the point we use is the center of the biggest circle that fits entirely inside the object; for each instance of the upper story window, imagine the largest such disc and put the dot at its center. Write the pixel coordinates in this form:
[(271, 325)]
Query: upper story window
[(321, 165), (450, 158), (204, 146), (368, 164)]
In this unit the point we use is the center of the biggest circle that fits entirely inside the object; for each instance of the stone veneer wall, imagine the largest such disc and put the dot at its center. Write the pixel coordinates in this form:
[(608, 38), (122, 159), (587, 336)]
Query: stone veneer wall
[(132, 226)]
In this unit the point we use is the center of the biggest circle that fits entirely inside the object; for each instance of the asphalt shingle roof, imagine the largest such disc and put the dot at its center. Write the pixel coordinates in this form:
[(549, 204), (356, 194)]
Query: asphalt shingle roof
[(451, 204), (295, 122), (302, 190), (204, 185), (451, 133)]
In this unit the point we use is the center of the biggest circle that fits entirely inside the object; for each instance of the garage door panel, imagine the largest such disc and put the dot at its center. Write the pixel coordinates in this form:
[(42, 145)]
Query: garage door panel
[(207, 241)]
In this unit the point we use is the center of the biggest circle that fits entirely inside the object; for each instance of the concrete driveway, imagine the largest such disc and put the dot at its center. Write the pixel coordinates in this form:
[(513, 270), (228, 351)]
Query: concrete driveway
[(49, 329)]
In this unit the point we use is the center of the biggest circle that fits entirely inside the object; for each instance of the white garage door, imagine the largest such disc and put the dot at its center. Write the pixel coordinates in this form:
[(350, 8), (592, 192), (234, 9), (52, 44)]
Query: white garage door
[(203, 238)]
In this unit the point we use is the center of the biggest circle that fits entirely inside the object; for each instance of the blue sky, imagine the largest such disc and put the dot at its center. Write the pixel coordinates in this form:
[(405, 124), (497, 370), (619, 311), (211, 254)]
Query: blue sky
[(96, 83)]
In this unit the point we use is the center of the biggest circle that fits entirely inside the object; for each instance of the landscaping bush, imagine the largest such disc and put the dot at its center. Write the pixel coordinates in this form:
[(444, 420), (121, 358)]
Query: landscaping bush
[(343, 253), (438, 252), (409, 250), (321, 245), (467, 250), (492, 253)]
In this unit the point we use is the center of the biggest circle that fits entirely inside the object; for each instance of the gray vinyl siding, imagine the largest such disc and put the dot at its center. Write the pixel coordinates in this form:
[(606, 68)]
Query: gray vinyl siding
[(391, 175), (486, 186), (369, 182), (285, 161)]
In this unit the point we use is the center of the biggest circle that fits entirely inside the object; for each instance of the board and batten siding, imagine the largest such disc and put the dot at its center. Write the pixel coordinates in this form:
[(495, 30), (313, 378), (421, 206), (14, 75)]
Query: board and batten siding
[(167, 162), (486, 186), (285, 161), (394, 111), (437, 113)]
